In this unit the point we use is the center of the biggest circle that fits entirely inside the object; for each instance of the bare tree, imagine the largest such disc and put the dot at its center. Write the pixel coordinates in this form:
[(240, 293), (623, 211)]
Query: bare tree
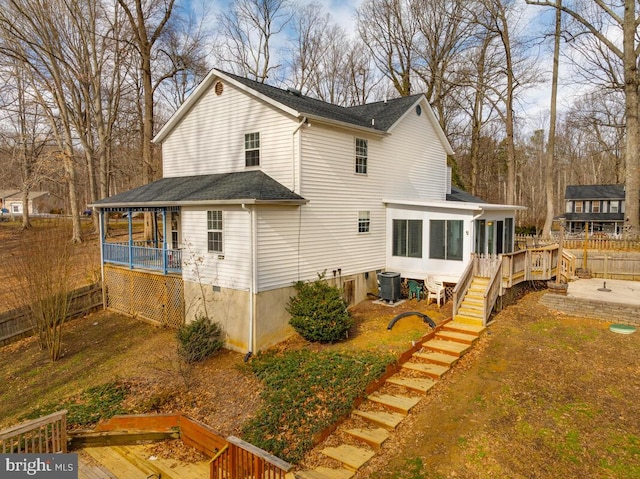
[(248, 32), (389, 29), (551, 143), (621, 18)]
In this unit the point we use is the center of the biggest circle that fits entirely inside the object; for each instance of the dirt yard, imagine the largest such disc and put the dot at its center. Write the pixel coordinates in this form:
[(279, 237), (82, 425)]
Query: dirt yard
[(542, 395)]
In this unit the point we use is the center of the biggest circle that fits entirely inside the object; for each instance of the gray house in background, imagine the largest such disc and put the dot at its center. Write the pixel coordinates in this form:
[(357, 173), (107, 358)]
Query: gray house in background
[(40, 202), (598, 207)]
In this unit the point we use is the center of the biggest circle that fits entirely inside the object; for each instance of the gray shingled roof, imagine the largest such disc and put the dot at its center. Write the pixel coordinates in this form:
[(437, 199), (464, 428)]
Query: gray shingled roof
[(460, 195), (594, 192), (385, 113), (244, 185)]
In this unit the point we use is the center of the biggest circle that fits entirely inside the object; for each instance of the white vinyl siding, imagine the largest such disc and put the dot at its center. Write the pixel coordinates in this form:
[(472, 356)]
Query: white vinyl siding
[(210, 138), (230, 270)]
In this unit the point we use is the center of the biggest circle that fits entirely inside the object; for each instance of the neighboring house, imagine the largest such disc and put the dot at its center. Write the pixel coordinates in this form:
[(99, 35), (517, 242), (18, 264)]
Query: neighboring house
[(263, 187), (40, 202), (600, 207)]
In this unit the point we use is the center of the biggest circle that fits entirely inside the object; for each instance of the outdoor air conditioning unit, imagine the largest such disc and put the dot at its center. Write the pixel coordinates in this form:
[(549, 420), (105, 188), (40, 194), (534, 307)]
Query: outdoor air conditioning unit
[(389, 286)]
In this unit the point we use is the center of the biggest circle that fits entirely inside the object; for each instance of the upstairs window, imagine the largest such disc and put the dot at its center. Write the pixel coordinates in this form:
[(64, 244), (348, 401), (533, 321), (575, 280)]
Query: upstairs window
[(252, 149), (613, 206), (569, 208), (214, 231), (364, 221), (578, 206), (595, 207), (361, 156)]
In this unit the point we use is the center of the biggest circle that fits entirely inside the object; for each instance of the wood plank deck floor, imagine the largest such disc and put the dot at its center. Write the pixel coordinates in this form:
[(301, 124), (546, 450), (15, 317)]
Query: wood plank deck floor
[(125, 462)]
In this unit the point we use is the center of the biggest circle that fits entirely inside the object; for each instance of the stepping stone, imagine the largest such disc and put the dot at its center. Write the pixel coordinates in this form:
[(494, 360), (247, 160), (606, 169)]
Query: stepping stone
[(414, 384), (380, 418), (447, 347), (437, 358), (435, 371), (352, 457), (401, 404), (455, 336), (373, 437), (324, 473), (464, 328)]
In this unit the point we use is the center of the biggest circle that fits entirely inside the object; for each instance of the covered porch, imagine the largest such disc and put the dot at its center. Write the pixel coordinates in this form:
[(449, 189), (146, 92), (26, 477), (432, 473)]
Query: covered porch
[(162, 252)]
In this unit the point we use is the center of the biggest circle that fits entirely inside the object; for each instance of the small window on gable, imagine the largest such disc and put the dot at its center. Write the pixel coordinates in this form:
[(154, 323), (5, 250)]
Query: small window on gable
[(214, 231), (252, 149), (361, 156), (364, 221), (578, 206)]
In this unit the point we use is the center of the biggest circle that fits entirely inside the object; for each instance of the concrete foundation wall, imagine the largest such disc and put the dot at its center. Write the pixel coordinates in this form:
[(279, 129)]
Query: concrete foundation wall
[(230, 308)]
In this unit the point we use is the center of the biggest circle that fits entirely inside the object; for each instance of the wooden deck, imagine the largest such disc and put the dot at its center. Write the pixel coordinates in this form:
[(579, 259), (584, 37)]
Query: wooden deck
[(124, 462)]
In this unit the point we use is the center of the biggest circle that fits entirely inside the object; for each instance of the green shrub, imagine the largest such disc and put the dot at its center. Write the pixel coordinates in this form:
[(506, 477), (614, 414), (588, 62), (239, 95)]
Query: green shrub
[(199, 339), (319, 312)]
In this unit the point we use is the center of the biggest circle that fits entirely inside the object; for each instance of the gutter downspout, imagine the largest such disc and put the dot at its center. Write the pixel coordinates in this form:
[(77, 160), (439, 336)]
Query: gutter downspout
[(293, 150), (253, 280), (102, 232)]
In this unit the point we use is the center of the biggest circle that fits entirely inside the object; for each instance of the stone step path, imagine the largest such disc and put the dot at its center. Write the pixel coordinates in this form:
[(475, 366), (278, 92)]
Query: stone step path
[(385, 409)]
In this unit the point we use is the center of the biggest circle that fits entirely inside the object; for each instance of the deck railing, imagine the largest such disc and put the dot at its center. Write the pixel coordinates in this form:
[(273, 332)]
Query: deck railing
[(232, 458), (507, 270), (47, 434), (243, 460), (140, 255)]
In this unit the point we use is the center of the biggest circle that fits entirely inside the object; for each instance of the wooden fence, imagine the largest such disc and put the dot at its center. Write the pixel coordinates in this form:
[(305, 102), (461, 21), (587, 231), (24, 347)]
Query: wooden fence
[(611, 264), (578, 242), (17, 323), (47, 434)]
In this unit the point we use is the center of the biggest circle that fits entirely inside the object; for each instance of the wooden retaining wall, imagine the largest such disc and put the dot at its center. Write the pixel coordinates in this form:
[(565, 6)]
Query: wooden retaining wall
[(16, 323)]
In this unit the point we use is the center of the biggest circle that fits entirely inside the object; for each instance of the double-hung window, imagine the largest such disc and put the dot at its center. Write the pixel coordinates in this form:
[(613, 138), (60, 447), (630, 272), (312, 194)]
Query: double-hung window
[(578, 207), (252, 149), (361, 156), (446, 239), (613, 206), (595, 207), (364, 221), (407, 238), (214, 231)]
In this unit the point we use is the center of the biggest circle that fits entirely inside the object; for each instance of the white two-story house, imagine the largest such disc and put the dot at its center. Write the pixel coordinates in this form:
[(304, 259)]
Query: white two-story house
[(263, 187)]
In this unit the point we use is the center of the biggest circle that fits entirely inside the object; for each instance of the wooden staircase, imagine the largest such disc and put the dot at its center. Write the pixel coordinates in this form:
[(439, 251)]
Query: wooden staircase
[(386, 408), (471, 309)]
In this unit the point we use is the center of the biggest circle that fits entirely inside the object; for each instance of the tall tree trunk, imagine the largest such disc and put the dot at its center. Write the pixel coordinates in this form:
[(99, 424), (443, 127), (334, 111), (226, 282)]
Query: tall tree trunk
[(551, 143), (631, 84)]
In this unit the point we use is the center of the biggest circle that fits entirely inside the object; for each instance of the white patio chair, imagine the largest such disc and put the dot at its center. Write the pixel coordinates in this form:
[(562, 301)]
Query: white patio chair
[(435, 290)]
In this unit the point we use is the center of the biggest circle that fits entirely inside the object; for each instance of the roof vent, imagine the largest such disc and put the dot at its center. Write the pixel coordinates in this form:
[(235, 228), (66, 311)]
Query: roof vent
[(295, 92)]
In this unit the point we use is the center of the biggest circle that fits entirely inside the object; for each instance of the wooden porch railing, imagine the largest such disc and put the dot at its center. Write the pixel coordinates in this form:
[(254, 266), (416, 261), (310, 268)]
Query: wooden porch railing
[(47, 434), (240, 459), (140, 255), (509, 269)]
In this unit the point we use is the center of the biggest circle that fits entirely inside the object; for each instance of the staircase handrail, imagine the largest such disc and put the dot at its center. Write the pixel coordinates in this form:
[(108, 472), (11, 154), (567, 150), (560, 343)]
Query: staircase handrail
[(463, 284), (492, 291)]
